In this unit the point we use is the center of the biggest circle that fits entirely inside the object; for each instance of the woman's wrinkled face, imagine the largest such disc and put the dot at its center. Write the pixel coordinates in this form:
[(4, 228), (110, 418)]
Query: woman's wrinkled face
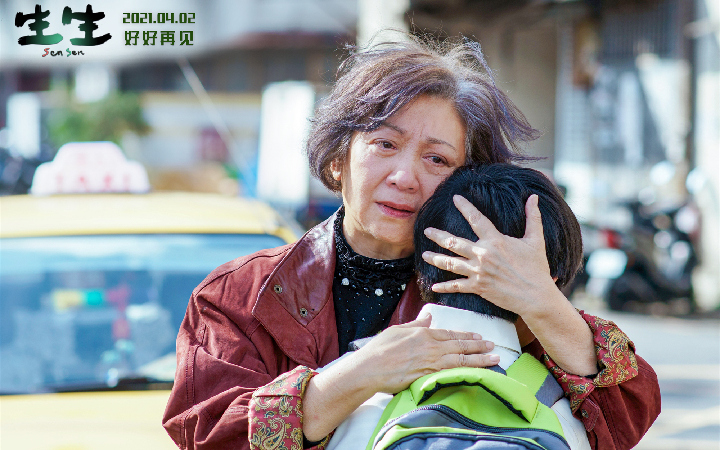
[(390, 172)]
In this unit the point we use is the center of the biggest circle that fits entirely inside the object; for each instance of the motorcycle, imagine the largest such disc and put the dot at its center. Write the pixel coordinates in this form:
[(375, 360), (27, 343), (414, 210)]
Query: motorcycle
[(651, 263)]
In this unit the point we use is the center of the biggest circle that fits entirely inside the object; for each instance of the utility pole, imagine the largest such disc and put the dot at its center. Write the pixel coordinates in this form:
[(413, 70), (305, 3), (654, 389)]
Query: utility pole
[(375, 17)]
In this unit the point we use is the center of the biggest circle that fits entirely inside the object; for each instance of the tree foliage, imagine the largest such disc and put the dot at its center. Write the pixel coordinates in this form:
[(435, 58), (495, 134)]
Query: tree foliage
[(104, 120)]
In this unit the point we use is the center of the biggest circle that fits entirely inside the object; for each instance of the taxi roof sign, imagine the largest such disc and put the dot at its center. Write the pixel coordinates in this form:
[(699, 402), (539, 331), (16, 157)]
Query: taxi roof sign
[(89, 167)]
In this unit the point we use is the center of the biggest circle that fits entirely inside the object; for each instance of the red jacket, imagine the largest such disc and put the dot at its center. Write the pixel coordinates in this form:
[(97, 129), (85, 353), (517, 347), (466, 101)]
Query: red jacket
[(264, 314)]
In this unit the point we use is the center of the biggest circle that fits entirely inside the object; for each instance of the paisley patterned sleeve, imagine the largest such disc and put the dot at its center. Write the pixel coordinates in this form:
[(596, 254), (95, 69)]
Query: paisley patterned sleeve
[(615, 356), (276, 416)]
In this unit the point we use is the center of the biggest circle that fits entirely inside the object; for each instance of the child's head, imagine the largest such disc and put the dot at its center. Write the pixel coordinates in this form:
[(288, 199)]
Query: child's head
[(499, 191)]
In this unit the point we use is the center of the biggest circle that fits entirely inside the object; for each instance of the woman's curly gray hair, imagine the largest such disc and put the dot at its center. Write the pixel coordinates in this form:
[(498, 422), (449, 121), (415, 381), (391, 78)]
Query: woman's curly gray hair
[(375, 83)]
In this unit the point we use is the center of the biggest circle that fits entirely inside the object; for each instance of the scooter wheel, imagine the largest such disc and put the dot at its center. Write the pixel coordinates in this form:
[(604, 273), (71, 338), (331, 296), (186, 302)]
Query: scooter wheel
[(629, 287)]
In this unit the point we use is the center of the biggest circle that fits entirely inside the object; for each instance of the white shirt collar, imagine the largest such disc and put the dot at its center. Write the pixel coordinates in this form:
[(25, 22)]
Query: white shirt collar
[(499, 331)]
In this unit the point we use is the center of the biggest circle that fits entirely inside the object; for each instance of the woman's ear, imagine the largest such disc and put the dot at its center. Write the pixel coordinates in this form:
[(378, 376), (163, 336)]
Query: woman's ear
[(336, 169)]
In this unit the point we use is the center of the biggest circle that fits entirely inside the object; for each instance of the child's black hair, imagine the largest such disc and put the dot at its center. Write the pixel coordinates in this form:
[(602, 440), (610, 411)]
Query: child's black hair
[(500, 192)]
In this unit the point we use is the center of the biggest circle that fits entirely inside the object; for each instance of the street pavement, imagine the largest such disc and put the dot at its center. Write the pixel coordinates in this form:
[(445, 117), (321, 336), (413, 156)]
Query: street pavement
[(685, 354)]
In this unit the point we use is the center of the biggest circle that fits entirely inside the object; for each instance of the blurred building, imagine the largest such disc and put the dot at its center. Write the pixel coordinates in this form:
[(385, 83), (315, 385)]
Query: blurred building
[(626, 92), (201, 94)]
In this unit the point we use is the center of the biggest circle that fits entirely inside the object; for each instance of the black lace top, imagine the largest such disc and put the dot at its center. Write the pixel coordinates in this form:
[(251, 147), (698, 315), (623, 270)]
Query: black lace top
[(365, 290)]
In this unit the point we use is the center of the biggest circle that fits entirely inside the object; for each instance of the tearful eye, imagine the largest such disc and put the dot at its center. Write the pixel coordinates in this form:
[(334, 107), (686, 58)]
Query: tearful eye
[(386, 144)]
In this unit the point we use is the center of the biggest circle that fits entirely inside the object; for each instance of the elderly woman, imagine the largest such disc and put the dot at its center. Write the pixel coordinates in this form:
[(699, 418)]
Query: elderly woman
[(400, 119)]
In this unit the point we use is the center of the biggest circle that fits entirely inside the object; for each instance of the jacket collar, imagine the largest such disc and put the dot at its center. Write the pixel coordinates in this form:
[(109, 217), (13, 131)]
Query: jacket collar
[(295, 303), (297, 291)]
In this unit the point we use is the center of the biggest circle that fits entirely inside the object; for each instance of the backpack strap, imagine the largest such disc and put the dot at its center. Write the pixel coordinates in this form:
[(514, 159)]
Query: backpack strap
[(508, 391), (533, 374), (511, 393), (402, 401)]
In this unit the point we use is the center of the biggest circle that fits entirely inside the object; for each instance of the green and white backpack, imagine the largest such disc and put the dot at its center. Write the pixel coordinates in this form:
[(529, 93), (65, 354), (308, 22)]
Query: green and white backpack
[(475, 409)]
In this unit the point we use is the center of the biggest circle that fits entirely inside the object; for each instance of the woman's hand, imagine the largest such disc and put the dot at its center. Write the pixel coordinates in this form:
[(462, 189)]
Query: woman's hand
[(403, 353), (514, 274), (388, 363)]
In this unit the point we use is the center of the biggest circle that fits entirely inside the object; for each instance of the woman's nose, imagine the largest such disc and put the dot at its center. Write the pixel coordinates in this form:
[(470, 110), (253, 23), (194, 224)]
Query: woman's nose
[(405, 176)]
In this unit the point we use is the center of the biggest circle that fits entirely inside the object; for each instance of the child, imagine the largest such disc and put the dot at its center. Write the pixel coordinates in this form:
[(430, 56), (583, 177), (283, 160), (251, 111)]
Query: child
[(500, 192)]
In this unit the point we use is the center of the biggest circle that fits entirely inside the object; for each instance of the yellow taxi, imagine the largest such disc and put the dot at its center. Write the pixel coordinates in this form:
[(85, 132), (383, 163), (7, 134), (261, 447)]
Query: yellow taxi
[(93, 288)]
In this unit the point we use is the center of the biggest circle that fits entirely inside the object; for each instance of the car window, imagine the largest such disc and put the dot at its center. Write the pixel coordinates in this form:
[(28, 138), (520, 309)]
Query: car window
[(94, 310)]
